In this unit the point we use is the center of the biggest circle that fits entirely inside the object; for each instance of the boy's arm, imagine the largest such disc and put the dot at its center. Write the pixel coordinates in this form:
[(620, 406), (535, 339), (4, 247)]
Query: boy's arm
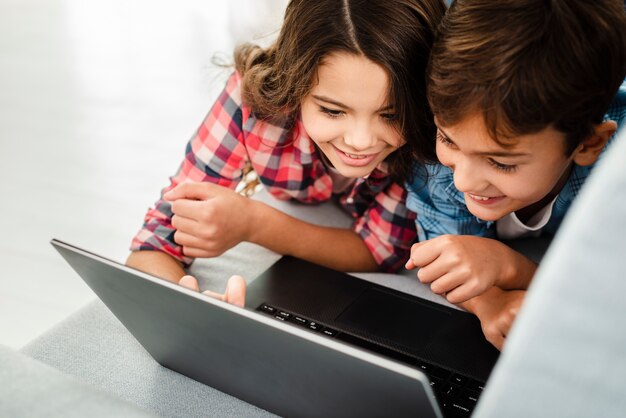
[(455, 254), (496, 309), (464, 266), (520, 272)]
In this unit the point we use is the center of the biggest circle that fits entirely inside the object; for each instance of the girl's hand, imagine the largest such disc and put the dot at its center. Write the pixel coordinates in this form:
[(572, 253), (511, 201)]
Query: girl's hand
[(209, 219), (235, 290), (464, 266)]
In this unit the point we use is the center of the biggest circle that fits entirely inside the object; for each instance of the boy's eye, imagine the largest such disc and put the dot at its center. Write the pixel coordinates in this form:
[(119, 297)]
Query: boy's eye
[(443, 139), (390, 117), (333, 113), (502, 167)]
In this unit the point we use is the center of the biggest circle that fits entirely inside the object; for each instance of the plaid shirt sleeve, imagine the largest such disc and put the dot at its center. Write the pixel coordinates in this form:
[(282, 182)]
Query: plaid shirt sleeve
[(383, 221), (215, 154), (440, 207)]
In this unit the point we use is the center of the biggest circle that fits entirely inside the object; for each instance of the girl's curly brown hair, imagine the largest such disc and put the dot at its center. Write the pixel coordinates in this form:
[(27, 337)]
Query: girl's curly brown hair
[(395, 34)]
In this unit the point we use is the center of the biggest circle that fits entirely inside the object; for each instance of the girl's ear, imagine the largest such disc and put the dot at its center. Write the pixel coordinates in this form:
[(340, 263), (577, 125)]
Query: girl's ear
[(589, 150)]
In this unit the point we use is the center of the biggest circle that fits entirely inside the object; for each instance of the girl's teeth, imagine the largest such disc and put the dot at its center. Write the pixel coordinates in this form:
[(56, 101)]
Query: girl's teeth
[(356, 157)]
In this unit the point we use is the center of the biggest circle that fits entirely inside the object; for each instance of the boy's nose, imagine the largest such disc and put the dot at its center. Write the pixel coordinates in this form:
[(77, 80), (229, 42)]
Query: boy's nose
[(468, 178)]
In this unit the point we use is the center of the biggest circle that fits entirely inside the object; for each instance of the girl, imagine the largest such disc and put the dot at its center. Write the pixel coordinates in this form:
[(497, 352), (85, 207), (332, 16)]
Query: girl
[(333, 108)]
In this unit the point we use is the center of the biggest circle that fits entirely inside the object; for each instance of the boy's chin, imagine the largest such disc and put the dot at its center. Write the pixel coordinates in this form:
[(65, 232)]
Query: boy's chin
[(486, 215)]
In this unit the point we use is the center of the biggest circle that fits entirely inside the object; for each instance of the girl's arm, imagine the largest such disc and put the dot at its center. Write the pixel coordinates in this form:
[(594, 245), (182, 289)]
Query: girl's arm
[(210, 219), (338, 248), (167, 267), (215, 154), (156, 263)]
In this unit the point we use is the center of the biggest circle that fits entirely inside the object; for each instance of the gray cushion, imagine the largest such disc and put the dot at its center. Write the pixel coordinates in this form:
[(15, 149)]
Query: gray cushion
[(30, 388), (566, 354), (95, 347)]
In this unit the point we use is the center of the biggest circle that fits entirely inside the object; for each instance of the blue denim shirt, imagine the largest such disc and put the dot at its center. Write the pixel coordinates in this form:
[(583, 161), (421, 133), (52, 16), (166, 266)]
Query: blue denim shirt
[(441, 209)]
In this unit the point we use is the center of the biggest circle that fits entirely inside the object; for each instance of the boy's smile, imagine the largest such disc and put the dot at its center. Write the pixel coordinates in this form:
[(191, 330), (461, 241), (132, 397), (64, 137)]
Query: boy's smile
[(522, 176)]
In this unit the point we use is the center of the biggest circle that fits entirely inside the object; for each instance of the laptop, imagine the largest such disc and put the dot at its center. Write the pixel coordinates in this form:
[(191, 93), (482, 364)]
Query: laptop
[(310, 341)]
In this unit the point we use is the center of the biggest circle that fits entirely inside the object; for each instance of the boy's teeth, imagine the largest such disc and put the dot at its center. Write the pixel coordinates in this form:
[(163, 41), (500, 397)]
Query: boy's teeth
[(479, 197)]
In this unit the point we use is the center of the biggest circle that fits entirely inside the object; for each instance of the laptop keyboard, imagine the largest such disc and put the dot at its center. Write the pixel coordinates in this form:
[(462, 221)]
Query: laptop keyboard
[(456, 394)]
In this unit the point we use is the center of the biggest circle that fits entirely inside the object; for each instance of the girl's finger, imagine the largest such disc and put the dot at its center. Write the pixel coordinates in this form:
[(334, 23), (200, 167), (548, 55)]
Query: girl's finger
[(189, 282)]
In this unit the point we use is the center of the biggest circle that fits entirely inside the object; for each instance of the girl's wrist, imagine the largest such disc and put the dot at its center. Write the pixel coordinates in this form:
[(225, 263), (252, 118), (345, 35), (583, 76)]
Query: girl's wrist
[(254, 218)]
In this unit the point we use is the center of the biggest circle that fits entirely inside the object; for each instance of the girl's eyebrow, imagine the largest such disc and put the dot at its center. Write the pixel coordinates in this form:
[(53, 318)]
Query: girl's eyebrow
[(331, 101), (493, 153), (343, 106)]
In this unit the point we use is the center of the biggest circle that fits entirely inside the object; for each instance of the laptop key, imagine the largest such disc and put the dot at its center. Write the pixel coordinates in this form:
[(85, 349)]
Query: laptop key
[(284, 314), (459, 379), (314, 326), (299, 320), (329, 331), (469, 396), (435, 385), (426, 367), (433, 370), (459, 408), (280, 318), (475, 385), (450, 390), (435, 382), (267, 308)]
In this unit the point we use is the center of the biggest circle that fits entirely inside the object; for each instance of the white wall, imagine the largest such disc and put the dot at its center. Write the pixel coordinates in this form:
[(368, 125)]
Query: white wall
[(97, 101)]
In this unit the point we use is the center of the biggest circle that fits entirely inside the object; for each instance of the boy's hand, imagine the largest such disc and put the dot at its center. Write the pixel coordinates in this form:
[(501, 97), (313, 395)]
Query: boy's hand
[(209, 219), (463, 266), (235, 290), (497, 309)]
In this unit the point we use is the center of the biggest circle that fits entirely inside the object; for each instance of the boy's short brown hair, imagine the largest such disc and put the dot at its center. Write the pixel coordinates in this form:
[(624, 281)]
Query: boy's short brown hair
[(529, 64)]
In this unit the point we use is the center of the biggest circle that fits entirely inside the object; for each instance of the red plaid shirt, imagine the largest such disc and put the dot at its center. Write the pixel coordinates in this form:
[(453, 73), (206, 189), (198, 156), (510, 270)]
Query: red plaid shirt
[(290, 167)]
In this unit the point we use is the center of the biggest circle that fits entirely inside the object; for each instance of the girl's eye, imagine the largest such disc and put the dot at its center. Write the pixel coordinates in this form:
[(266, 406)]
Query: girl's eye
[(443, 139), (507, 168), (333, 113)]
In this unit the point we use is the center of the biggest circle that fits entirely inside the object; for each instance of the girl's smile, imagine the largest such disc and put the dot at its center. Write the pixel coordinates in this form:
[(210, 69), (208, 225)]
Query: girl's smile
[(355, 160), (348, 116)]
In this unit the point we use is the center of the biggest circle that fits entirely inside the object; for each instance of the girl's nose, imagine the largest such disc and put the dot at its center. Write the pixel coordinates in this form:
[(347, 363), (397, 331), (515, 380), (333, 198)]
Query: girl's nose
[(361, 137)]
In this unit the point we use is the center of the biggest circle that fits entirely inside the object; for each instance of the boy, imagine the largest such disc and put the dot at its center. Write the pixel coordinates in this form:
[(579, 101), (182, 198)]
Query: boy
[(524, 98)]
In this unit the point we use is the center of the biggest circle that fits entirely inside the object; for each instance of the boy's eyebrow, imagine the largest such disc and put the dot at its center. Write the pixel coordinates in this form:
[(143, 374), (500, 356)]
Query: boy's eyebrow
[(339, 104), (488, 153)]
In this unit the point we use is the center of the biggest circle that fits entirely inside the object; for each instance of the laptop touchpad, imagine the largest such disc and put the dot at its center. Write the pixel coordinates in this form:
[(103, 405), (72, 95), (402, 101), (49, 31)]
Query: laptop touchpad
[(402, 321)]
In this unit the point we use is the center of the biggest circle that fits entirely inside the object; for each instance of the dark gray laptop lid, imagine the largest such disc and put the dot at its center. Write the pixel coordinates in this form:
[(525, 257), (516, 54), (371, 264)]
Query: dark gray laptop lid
[(275, 366)]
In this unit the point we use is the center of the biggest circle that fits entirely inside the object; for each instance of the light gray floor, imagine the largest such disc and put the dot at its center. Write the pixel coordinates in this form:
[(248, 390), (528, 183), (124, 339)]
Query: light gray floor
[(97, 100)]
